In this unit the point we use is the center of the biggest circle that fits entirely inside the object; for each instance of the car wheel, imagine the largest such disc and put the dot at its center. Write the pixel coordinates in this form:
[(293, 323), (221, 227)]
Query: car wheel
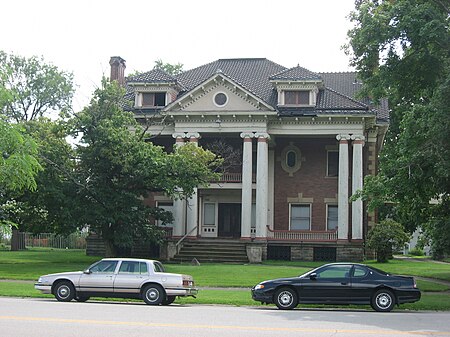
[(64, 291), (383, 300), (82, 298), (168, 300), (286, 298), (153, 294)]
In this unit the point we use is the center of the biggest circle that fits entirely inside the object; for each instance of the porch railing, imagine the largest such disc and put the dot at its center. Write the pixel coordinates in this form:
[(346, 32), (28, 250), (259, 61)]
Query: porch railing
[(305, 236), (233, 177)]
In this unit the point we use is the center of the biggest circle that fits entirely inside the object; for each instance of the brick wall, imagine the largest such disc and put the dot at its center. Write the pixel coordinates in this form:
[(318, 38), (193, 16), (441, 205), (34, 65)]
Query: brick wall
[(310, 180)]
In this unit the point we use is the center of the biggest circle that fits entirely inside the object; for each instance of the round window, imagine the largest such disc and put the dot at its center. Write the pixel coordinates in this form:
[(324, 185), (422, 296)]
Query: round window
[(220, 99), (291, 159)]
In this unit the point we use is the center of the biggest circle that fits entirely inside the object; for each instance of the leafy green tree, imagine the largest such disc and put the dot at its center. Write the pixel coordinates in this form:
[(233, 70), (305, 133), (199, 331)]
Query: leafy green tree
[(171, 69), (116, 168), (35, 87), (49, 207), (18, 164), (386, 237), (401, 51)]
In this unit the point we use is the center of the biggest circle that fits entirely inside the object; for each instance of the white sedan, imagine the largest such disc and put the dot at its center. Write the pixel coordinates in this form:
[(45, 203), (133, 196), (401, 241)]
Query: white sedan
[(119, 277)]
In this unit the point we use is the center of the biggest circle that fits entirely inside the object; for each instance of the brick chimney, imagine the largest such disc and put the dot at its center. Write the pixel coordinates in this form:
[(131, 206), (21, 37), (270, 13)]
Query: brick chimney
[(117, 69)]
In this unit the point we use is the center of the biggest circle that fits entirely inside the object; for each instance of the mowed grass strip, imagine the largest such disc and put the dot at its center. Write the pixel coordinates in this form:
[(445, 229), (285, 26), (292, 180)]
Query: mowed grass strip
[(429, 301), (30, 264)]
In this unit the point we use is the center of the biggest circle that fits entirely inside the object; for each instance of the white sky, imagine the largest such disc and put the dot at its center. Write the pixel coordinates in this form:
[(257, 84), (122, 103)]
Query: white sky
[(80, 36)]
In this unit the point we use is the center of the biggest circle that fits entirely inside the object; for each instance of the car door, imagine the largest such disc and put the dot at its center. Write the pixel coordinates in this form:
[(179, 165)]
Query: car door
[(130, 277), (327, 284), (99, 278), (362, 284)]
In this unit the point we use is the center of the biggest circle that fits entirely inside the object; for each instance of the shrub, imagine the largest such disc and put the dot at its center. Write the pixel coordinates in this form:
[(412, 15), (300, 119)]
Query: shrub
[(386, 237)]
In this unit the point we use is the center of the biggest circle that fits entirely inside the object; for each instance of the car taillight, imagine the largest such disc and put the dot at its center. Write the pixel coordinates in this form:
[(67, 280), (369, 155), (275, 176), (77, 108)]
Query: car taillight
[(415, 284)]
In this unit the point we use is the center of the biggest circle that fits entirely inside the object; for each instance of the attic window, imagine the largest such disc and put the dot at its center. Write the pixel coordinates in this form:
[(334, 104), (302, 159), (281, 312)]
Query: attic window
[(153, 99), (220, 99), (296, 97)]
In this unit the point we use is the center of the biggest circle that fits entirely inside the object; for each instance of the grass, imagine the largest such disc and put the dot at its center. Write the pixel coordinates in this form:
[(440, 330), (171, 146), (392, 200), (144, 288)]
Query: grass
[(30, 264), (429, 301)]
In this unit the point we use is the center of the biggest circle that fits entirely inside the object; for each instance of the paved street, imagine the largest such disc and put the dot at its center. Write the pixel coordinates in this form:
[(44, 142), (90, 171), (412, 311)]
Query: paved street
[(47, 317)]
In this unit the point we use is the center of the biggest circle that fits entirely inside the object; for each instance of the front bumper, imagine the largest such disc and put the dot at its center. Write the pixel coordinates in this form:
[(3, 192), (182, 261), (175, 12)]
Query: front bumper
[(262, 296), (44, 288)]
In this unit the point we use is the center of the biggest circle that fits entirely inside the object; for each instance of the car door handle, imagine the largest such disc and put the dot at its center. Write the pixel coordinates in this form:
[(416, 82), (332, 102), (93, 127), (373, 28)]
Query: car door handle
[(344, 283)]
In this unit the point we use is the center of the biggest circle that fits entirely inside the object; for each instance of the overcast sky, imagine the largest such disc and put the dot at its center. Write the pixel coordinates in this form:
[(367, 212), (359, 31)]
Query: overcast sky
[(81, 35)]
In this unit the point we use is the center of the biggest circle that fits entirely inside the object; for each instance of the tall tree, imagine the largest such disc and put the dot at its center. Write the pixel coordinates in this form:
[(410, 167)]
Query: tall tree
[(35, 87), (116, 168), (49, 207), (18, 165), (401, 51)]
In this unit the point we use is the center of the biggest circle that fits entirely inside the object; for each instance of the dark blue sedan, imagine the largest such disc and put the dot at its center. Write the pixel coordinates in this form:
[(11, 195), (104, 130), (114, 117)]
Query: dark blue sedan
[(339, 283)]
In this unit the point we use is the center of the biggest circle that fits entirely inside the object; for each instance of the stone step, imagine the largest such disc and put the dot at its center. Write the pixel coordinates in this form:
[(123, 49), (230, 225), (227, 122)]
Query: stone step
[(213, 250)]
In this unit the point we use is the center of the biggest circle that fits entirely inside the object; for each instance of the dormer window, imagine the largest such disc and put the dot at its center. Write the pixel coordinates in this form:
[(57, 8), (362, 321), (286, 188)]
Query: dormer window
[(298, 97), (152, 99)]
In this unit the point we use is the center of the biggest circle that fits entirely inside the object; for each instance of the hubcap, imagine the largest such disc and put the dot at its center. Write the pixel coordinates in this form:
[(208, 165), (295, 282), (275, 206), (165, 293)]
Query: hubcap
[(152, 294), (285, 298), (63, 291), (384, 300)]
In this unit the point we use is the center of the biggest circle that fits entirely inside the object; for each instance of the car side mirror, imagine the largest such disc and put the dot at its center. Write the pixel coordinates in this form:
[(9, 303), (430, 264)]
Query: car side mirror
[(312, 276), (87, 271)]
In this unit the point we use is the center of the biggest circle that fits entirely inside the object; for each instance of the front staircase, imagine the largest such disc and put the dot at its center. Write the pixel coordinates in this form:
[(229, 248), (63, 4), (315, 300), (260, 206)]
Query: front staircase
[(212, 250)]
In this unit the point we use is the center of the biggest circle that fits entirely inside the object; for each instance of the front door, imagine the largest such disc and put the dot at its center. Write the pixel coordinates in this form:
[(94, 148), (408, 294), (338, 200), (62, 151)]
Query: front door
[(230, 220)]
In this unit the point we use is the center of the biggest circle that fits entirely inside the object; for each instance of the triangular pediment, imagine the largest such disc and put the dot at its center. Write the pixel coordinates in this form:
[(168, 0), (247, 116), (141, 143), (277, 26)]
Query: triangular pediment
[(233, 98)]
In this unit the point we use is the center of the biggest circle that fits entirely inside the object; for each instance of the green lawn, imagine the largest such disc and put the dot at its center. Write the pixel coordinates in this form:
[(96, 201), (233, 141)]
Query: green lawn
[(30, 264)]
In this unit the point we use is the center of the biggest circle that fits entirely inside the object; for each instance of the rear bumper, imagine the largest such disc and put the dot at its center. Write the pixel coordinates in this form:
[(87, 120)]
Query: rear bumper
[(409, 296), (181, 291)]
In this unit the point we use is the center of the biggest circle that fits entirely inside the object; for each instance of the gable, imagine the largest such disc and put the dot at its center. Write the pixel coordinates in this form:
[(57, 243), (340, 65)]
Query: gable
[(235, 102), (233, 98)]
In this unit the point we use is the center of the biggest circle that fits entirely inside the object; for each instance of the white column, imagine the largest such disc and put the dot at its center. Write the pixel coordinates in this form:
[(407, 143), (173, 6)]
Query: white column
[(343, 187), (357, 184), (262, 185), (179, 205), (246, 203), (192, 202)]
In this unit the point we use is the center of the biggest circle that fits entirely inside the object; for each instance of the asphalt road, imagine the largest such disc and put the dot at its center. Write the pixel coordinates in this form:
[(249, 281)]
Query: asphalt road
[(47, 317)]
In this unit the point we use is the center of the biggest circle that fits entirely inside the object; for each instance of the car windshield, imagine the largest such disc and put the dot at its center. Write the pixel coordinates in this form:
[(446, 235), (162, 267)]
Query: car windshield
[(309, 272)]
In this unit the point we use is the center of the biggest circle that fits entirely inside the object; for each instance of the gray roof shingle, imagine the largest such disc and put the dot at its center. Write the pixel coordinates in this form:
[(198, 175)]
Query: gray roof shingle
[(296, 74), (339, 94)]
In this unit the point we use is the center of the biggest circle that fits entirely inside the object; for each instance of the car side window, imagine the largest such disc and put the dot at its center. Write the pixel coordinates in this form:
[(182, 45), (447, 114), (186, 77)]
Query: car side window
[(339, 271), (129, 267), (158, 268), (104, 267), (143, 268), (360, 271)]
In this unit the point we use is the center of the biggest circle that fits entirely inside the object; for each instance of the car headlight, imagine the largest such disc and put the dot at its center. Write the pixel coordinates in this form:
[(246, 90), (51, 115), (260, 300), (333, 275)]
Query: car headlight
[(259, 286), (40, 280)]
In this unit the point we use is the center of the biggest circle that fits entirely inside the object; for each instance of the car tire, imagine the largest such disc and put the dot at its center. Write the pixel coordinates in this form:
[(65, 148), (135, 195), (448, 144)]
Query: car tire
[(286, 298), (168, 300), (153, 294), (383, 300), (82, 298), (64, 291)]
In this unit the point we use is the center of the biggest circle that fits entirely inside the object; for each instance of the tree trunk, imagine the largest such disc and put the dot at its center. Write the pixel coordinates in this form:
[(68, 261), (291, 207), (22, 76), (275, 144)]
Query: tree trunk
[(17, 240), (110, 249)]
